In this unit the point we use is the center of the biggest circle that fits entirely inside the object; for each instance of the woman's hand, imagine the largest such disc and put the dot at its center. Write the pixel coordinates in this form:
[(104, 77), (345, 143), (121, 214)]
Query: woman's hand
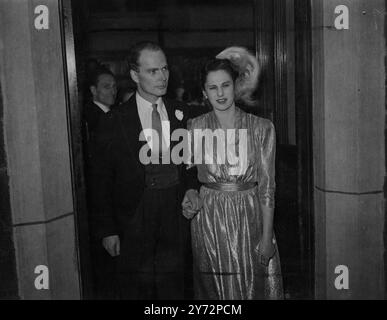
[(112, 245), (192, 203), (266, 250)]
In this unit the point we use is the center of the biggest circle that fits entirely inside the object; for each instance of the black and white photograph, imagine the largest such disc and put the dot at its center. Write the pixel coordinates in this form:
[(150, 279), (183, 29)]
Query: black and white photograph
[(193, 150)]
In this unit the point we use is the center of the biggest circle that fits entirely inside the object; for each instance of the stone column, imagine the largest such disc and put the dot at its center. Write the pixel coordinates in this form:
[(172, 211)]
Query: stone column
[(37, 148), (349, 154)]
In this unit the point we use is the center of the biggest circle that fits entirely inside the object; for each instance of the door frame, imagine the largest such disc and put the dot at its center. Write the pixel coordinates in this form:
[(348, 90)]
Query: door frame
[(74, 124), (271, 50), (304, 137)]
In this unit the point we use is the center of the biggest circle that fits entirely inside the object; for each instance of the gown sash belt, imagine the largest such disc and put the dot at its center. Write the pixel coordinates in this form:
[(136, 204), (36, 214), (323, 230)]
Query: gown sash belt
[(231, 186)]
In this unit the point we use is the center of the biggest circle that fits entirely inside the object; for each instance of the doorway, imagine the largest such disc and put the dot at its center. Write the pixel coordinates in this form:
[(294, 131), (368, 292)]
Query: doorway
[(190, 31)]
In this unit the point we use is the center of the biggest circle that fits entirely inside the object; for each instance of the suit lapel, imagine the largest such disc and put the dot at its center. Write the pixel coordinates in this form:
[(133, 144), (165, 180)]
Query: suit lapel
[(169, 108), (172, 125), (131, 127)]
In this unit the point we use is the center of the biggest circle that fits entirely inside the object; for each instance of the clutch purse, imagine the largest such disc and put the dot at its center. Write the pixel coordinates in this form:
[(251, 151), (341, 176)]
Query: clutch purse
[(264, 260)]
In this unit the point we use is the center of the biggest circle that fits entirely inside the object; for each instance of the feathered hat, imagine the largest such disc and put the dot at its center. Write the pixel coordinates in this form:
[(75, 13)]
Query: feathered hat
[(247, 66)]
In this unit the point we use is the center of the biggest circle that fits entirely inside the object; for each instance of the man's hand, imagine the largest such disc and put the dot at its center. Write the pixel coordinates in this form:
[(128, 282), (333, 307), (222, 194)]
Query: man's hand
[(112, 245), (191, 204)]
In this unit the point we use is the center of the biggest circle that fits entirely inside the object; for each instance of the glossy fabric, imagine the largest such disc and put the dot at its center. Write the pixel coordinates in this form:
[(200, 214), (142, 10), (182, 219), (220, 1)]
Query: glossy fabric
[(231, 186), (226, 232)]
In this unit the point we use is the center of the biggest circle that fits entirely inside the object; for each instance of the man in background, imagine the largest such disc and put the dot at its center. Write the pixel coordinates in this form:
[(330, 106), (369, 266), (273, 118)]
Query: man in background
[(103, 89), (103, 92)]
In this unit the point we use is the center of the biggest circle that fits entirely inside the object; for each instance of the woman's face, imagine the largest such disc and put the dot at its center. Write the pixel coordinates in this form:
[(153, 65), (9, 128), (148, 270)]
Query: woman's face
[(219, 89)]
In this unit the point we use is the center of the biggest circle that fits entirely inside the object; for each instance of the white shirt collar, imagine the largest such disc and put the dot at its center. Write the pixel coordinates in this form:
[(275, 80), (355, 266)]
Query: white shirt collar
[(102, 106), (143, 102)]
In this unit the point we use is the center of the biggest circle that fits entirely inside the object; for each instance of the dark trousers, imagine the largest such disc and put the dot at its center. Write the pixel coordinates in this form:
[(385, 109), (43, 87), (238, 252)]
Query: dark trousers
[(104, 273), (152, 263)]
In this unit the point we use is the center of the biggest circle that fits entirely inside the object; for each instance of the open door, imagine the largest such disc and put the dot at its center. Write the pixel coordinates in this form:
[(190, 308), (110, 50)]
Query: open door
[(283, 45)]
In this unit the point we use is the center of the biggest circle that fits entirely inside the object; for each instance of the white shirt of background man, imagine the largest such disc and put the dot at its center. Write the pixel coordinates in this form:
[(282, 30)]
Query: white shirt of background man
[(102, 106)]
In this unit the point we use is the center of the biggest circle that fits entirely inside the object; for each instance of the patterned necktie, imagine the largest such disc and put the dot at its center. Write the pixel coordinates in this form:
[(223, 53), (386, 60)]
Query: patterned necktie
[(156, 125)]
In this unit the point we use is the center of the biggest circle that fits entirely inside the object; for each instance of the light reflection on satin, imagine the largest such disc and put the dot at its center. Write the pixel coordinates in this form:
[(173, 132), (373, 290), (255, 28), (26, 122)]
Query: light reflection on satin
[(226, 232)]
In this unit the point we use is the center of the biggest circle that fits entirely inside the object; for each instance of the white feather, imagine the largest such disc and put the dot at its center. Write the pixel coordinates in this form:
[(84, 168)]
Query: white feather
[(248, 68)]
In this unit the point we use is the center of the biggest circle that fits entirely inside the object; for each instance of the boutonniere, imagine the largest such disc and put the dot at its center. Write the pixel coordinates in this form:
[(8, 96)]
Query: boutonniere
[(179, 115)]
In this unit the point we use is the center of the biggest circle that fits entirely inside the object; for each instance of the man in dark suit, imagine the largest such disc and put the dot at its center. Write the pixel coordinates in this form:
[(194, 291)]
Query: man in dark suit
[(103, 90), (139, 219)]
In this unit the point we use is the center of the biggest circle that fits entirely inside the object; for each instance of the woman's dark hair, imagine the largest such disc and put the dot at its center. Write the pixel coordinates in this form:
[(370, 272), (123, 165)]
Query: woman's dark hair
[(216, 65)]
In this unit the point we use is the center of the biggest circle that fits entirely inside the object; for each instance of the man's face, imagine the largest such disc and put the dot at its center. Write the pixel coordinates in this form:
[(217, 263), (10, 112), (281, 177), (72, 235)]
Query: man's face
[(106, 91), (152, 75)]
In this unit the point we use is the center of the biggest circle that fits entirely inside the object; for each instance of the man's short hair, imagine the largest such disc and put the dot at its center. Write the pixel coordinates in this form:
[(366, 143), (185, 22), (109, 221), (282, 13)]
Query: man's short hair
[(135, 51), (93, 81)]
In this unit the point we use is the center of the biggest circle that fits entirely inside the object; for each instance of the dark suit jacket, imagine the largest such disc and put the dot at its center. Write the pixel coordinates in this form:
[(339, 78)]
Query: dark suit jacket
[(92, 115), (118, 175), (91, 121)]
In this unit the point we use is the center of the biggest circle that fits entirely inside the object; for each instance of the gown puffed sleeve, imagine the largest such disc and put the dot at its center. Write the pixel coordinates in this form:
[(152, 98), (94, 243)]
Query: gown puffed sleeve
[(266, 166)]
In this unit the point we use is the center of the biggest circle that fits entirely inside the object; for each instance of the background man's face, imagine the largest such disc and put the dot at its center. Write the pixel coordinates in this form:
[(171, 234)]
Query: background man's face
[(106, 90), (152, 75)]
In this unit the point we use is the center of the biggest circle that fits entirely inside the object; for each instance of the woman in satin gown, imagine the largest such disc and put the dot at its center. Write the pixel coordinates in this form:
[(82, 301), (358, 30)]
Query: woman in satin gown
[(235, 255)]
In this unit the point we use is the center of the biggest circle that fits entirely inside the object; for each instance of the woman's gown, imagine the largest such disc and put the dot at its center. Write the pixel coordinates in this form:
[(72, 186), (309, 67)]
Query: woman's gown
[(226, 232)]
